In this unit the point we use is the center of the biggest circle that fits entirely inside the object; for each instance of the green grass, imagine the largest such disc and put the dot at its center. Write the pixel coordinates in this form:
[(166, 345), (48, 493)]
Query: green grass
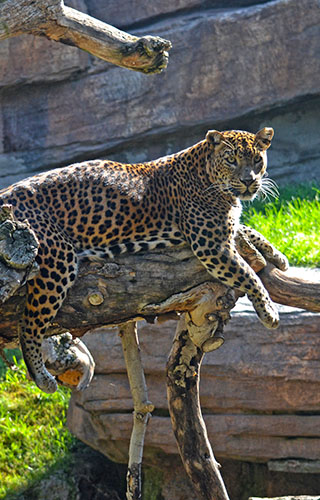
[(33, 435), (291, 223)]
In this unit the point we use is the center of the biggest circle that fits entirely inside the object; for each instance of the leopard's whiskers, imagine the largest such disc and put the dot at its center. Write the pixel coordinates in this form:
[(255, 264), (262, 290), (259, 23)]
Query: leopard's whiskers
[(269, 189)]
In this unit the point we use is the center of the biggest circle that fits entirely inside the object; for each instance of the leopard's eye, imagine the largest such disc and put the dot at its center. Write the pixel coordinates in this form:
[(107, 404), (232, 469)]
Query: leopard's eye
[(257, 158), (232, 159)]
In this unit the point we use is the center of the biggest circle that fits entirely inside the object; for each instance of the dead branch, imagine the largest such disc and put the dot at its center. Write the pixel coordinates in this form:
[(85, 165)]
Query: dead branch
[(291, 291), (69, 360), (183, 377), (52, 19), (142, 407)]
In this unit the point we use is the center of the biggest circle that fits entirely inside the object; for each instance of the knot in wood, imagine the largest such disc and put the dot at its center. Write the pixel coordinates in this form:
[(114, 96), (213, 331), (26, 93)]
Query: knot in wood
[(96, 298), (214, 342)]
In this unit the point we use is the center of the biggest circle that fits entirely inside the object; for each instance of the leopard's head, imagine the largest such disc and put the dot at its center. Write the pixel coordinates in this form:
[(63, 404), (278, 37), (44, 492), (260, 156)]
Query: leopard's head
[(237, 161)]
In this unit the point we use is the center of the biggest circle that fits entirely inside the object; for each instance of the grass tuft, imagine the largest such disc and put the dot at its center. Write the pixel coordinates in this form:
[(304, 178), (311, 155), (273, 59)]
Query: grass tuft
[(291, 223), (33, 435)]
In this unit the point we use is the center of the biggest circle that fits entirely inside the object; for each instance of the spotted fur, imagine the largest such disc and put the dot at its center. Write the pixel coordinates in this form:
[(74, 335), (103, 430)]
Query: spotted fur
[(103, 208)]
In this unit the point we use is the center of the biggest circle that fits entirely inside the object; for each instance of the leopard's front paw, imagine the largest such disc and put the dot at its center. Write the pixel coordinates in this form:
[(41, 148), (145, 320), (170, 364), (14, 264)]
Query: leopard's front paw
[(267, 313), (279, 260)]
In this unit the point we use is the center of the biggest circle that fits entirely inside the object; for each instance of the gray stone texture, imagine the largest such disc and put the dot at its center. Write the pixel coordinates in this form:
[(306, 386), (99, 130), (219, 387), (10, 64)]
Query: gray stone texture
[(260, 392), (233, 64)]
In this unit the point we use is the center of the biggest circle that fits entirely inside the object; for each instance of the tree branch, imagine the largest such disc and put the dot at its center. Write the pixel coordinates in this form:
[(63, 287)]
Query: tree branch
[(142, 407), (110, 293), (290, 291), (51, 18), (183, 377)]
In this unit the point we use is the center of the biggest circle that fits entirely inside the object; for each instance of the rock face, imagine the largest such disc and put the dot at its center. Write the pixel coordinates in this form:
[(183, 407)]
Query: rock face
[(259, 392), (259, 395), (243, 66)]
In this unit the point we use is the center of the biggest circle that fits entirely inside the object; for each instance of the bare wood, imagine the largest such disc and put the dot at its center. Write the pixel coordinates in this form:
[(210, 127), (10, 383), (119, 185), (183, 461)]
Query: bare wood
[(291, 291), (142, 407), (51, 18), (18, 250), (183, 376)]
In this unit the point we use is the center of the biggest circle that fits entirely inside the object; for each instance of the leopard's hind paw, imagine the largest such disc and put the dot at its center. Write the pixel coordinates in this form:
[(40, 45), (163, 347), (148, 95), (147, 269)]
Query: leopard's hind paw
[(45, 381)]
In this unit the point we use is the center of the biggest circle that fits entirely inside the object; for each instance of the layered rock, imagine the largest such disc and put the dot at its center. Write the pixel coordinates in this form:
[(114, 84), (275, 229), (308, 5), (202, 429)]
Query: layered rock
[(259, 392), (229, 68)]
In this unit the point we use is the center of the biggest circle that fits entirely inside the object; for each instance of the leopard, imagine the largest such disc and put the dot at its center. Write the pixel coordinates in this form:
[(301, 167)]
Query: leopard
[(102, 208)]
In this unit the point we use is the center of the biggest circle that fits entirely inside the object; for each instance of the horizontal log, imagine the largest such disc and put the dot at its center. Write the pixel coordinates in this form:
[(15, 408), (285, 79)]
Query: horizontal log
[(109, 293), (296, 292)]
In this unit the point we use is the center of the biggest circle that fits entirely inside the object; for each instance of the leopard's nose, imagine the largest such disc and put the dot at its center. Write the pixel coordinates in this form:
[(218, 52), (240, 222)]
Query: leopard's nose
[(247, 182)]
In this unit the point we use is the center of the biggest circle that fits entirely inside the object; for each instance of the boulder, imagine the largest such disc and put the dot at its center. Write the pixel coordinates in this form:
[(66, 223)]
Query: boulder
[(84, 474), (300, 497), (259, 392), (31, 60)]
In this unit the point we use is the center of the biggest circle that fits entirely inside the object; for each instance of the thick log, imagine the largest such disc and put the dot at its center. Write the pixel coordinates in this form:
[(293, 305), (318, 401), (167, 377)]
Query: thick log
[(51, 18), (111, 293), (288, 290)]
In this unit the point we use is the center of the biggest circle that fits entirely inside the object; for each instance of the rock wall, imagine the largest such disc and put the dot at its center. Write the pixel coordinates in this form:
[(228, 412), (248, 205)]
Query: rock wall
[(259, 396), (233, 64), (259, 392)]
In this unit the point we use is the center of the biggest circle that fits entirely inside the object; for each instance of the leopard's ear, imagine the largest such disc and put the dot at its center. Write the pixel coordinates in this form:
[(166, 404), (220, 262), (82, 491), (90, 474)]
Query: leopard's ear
[(214, 138), (263, 138)]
